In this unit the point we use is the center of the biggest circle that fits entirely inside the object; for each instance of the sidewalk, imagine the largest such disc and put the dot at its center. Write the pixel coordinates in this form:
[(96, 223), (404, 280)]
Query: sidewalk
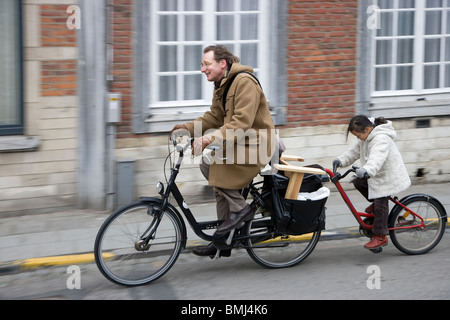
[(66, 238)]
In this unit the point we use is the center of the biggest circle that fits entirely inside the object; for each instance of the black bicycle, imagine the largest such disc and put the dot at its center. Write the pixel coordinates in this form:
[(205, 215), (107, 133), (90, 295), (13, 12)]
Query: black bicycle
[(141, 241)]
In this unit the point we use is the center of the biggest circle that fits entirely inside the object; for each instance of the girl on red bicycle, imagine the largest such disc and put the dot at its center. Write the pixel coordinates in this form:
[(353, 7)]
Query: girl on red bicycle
[(382, 172)]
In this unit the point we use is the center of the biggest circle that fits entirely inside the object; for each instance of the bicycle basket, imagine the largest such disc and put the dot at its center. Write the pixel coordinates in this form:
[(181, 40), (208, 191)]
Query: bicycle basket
[(296, 217)]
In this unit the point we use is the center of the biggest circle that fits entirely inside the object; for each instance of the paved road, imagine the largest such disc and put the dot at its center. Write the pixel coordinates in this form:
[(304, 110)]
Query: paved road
[(335, 270)]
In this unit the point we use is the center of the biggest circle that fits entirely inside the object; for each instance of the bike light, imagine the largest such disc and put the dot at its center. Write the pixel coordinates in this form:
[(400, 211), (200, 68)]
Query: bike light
[(160, 187)]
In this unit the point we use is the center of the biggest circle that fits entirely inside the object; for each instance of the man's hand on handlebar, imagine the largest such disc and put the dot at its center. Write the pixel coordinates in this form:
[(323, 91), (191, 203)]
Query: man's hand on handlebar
[(177, 128), (199, 144)]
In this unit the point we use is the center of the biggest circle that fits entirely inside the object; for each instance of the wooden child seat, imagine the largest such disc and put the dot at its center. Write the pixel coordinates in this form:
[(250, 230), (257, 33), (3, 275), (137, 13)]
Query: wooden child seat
[(295, 174)]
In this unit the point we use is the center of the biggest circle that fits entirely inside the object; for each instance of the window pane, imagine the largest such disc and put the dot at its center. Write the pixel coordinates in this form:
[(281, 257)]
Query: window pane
[(431, 77), (384, 52), (447, 49), (448, 21), (386, 4), (249, 55), (168, 29), (10, 65), (406, 4), (447, 75), (434, 3), (225, 27), (168, 5), (433, 22), (223, 6), (404, 78), (168, 58), (193, 28), (193, 5), (386, 24), (249, 27), (249, 5), (193, 87), (192, 57), (168, 88), (432, 50), (406, 23), (383, 79), (405, 51)]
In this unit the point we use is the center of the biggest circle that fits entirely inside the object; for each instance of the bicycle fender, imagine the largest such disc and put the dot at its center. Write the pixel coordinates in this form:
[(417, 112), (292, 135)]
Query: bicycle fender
[(428, 197), (174, 210)]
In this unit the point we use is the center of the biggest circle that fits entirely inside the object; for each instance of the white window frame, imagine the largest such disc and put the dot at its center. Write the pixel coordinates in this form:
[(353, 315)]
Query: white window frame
[(418, 101), (164, 114)]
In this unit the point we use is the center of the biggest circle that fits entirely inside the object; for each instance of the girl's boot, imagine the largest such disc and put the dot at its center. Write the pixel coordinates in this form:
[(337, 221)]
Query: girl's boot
[(379, 240)]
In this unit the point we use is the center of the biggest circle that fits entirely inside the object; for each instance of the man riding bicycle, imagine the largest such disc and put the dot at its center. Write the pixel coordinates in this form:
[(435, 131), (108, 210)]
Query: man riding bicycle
[(241, 125)]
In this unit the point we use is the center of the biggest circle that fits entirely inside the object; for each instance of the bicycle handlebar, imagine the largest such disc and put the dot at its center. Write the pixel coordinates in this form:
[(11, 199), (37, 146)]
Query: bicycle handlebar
[(338, 176), (181, 133)]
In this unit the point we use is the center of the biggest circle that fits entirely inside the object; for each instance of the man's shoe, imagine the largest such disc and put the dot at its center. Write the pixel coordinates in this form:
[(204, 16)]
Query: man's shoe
[(379, 240), (204, 251), (210, 250), (235, 219)]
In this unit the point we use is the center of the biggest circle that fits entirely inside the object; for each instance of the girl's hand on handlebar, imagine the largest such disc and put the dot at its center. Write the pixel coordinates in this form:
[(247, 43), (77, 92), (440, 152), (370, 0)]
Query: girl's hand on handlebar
[(336, 164), (361, 173)]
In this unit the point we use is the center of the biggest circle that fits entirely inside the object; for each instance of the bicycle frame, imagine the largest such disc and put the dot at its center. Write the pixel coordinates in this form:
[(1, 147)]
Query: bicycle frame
[(360, 215), (172, 188)]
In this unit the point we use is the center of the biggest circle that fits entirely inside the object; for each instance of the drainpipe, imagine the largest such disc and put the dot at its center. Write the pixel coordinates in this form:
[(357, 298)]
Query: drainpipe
[(91, 93), (112, 109)]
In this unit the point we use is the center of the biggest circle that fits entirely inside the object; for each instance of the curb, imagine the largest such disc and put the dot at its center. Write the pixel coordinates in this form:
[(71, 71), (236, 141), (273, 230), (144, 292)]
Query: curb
[(36, 263), (18, 266)]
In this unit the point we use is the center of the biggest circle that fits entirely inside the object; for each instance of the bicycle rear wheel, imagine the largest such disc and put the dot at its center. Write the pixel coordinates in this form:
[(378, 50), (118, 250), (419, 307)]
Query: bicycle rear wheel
[(122, 256), (271, 251), (417, 240)]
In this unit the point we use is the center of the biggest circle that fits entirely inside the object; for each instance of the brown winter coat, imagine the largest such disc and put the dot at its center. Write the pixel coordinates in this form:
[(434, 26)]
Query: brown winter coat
[(245, 129)]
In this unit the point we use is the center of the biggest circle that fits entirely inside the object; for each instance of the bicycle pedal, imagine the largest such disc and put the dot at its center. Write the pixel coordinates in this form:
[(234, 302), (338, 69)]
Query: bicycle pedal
[(377, 250)]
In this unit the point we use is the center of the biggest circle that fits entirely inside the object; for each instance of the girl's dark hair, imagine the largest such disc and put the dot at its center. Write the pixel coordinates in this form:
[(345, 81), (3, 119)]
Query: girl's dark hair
[(222, 52), (360, 123)]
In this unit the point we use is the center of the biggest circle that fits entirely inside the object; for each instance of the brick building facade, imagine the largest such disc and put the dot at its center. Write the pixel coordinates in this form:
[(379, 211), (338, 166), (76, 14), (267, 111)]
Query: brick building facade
[(66, 156)]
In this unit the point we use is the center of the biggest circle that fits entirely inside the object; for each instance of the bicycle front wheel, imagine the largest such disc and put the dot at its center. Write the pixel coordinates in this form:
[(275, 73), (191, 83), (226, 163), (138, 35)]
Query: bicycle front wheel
[(417, 240), (277, 251), (120, 252)]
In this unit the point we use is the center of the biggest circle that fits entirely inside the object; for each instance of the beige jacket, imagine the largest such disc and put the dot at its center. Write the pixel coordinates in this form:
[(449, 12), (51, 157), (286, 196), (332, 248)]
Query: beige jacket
[(244, 132)]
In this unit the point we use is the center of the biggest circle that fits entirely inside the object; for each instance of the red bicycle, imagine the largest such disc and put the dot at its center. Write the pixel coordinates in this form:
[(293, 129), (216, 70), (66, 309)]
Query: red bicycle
[(416, 223)]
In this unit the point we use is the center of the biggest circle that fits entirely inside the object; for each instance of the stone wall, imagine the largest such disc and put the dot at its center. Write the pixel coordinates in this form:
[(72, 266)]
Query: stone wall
[(45, 178), (425, 152)]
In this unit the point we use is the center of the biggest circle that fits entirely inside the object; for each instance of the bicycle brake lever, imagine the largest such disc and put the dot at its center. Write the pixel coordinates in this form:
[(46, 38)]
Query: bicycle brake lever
[(335, 166), (212, 147)]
